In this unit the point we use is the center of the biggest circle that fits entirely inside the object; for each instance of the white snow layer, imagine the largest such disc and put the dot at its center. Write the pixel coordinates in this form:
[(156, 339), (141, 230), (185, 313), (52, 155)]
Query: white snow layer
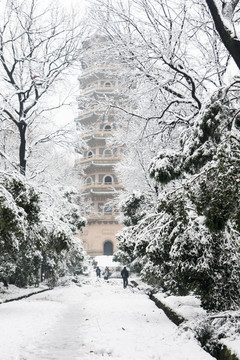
[(97, 320)]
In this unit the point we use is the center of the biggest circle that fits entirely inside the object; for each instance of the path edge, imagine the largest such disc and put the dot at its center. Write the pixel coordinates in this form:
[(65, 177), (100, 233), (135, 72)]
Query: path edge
[(24, 296), (225, 353)]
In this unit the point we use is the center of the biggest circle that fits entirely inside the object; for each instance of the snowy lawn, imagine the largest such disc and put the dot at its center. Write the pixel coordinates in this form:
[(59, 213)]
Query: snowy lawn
[(13, 292), (97, 320), (226, 323), (189, 307)]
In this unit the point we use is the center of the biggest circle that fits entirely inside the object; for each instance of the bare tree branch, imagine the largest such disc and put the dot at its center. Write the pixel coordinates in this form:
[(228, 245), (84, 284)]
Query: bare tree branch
[(231, 43), (37, 45)]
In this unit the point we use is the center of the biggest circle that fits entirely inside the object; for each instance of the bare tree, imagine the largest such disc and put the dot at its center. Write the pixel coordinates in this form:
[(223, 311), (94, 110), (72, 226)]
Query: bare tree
[(225, 15), (174, 59), (37, 46), (172, 46)]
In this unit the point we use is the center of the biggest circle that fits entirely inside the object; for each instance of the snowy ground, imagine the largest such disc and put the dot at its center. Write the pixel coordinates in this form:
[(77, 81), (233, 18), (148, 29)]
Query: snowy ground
[(14, 292), (94, 321)]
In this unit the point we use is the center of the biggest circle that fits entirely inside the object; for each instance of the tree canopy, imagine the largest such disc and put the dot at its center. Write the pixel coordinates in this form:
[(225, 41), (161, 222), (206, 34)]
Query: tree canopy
[(39, 217), (183, 97)]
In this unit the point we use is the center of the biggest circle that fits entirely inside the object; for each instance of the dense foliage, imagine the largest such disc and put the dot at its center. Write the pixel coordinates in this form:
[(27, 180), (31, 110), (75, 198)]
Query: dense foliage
[(38, 217), (33, 243), (184, 103), (191, 244)]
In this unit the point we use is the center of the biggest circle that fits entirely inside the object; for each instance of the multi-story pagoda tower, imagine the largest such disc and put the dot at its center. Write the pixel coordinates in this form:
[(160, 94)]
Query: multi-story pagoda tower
[(99, 86)]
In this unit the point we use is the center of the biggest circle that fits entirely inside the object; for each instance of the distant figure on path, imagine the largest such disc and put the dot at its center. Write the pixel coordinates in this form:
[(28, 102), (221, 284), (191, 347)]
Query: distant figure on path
[(98, 272), (106, 273), (125, 275), (94, 263)]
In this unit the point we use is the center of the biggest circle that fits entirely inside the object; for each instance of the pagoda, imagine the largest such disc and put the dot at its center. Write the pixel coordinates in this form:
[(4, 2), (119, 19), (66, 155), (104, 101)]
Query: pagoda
[(100, 90)]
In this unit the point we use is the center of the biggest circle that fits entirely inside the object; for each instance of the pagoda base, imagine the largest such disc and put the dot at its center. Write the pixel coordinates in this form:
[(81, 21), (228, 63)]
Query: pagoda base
[(99, 238)]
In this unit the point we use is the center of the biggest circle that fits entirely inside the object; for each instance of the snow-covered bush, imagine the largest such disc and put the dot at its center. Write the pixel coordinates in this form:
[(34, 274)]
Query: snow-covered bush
[(165, 167), (191, 243), (125, 246), (132, 210), (211, 331), (33, 241), (19, 214)]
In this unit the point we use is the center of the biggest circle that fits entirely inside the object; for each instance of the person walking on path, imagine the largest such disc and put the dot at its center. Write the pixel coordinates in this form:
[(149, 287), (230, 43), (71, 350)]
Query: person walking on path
[(98, 272), (125, 275), (106, 273)]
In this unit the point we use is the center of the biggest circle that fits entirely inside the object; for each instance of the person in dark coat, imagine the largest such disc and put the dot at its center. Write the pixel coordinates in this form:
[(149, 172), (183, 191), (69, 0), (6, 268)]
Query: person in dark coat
[(125, 275), (98, 272)]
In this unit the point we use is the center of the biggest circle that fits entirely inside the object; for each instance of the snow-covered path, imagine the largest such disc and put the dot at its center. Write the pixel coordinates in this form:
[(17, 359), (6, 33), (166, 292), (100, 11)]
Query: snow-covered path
[(95, 321)]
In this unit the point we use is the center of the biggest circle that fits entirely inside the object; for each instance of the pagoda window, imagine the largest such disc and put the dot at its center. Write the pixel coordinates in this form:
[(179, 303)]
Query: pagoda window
[(89, 181), (108, 84), (84, 65), (107, 128), (108, 180), (115, 151), (108, 210), (90, 154), (107, 153)]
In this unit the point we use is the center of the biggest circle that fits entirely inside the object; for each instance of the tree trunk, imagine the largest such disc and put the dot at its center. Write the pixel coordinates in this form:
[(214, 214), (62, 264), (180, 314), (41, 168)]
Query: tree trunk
[(232, 44), (22, 126)]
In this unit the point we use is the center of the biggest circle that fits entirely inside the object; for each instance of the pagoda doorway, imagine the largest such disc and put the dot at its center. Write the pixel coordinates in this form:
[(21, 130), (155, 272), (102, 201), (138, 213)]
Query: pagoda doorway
[(108, 248)]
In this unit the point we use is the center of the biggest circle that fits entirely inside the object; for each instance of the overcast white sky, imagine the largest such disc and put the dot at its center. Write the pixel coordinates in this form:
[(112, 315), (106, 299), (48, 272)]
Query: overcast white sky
[(71, 86)]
